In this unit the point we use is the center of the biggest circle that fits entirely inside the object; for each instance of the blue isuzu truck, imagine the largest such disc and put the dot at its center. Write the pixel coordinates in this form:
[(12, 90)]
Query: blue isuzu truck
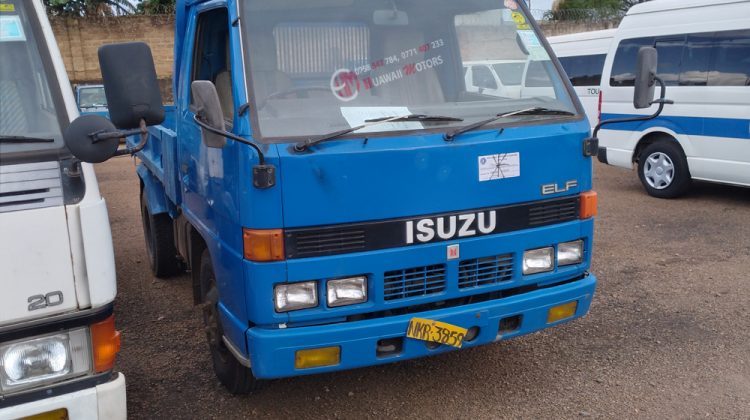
[(341, 200)]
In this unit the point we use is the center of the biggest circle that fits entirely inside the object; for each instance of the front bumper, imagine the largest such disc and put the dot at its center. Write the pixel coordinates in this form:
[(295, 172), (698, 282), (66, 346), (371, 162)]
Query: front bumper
[(272, 351), (104, 401)]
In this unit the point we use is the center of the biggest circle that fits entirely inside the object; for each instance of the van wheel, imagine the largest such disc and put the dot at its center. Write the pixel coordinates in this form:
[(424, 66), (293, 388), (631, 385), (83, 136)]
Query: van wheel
[(237, 378), (663, 169), (159, 234)]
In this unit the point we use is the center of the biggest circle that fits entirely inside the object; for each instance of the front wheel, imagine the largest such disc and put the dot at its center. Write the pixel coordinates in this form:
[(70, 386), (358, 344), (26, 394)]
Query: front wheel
[(663, 169), (237, 378)]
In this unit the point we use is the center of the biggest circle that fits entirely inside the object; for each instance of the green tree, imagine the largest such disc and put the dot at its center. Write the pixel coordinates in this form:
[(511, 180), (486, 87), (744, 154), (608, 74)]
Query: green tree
[(156, 7), (590, 9), (89, 7)]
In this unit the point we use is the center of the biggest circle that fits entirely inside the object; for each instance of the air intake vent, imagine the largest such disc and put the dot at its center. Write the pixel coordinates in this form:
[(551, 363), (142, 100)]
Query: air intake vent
[(554, 212), (328, 242), (411, 282), (485, 271), (30, 186)]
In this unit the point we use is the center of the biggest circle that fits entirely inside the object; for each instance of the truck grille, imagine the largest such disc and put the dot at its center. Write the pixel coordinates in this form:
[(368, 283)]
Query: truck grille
[(484, 271), (30, 186), (411, 282), (554, 212), (337, 241)]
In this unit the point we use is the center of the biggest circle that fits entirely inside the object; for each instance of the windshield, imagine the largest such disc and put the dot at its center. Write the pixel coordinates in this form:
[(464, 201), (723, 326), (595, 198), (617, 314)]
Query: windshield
[(27, 108), (318, 66), (91, 97)]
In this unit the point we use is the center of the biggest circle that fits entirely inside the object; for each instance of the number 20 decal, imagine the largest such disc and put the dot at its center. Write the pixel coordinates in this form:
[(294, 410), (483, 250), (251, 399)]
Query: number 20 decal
[(43, 301)]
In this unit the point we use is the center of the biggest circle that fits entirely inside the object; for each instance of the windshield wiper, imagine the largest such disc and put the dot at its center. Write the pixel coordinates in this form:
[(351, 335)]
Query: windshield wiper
[(304, 145), (23, 139), (537, 110)]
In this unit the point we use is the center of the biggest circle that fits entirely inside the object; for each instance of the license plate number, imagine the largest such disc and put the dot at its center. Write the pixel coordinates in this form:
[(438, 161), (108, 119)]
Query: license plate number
[(436, 331)]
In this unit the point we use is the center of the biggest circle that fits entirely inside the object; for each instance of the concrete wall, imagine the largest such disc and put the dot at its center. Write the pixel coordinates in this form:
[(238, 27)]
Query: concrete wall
[(79, 40)]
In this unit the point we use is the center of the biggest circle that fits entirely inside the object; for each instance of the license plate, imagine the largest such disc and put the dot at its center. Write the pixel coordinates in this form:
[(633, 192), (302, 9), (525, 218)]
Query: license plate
[(436, 331)]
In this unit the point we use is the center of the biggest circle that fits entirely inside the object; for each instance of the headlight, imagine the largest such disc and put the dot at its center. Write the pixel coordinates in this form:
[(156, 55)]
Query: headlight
[(538, 260), (569, 253), (31, 363), (294, 296), (349, 291)]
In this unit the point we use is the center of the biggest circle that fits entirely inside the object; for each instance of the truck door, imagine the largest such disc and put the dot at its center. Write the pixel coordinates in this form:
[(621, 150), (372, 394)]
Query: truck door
[(202, 170)]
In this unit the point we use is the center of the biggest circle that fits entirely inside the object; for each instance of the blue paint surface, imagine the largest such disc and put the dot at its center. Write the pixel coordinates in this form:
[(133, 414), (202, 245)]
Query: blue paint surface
[(691, 126)]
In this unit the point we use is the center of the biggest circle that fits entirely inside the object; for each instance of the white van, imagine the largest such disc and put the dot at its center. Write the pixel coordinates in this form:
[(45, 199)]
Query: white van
[(57, 273), (582, 56), (704, 60)]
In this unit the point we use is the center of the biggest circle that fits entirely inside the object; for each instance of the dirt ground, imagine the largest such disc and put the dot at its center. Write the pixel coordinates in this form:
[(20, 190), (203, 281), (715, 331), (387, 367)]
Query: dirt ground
[(668, 335)]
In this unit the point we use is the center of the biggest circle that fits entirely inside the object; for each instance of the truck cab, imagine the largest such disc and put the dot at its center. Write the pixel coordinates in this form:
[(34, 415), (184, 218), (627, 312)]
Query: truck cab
[(343, 199), (57, 334)]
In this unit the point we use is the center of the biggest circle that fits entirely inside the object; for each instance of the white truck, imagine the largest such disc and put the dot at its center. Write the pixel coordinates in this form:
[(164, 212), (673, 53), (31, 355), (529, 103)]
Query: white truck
[(58, 341)]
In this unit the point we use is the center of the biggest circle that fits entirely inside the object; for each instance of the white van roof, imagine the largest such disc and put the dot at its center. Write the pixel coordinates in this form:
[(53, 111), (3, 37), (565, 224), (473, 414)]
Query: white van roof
[(665, 5), (582, 36)]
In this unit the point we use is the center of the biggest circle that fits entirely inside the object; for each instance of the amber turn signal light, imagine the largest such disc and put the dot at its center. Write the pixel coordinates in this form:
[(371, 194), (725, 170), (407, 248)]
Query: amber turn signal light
[(263, 245), (105, 341), (588, 204)]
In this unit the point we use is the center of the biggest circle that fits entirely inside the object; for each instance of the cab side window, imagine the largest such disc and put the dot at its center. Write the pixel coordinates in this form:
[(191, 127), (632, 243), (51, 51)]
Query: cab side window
[(212, 58), (483, 78)]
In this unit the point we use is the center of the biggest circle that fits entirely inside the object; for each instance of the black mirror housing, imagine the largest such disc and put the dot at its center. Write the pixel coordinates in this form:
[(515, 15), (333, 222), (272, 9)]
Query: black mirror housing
[(645, 78), (131, 85), (79, 139), (209, 109)]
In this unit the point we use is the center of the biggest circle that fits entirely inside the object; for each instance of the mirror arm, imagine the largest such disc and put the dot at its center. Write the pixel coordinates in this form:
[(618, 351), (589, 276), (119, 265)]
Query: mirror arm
[(661, 101), (261, 156)]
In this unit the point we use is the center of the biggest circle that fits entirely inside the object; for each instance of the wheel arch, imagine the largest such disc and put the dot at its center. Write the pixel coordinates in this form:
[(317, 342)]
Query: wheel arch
[(651, 136)]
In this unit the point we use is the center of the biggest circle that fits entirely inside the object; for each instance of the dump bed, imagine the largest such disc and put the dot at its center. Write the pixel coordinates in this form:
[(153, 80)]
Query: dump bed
[(160, 155)]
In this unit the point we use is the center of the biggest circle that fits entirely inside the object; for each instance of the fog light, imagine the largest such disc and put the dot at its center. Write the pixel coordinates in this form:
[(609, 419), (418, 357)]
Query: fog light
[(294, 296), (61, 414), (312, 358), (569, 253), (538, 260), (560, 312), (349, 291)]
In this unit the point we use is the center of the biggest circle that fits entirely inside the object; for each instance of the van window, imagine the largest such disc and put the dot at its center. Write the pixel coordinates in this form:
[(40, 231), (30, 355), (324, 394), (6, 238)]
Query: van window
[(537, 75), (584, 70), (695, 56), (623, 67), (483, 78), (510, 74), (670, 57), (730, 62)]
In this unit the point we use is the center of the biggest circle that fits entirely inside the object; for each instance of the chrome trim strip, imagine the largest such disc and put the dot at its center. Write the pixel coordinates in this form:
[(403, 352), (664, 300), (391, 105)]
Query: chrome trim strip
[(244, 361)]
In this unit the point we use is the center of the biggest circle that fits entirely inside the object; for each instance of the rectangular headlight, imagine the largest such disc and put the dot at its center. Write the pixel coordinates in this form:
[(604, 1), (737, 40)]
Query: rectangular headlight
[(349, 291), (39, 361), (569, 253), (538, 260), (294, 296)]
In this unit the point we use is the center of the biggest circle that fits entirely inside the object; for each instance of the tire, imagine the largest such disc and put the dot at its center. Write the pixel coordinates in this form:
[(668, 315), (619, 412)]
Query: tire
[(159, 235), (663, 169), (237, 378)]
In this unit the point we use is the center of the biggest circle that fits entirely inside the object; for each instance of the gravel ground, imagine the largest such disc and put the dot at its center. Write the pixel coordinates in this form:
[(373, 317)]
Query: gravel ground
[(668, 334)]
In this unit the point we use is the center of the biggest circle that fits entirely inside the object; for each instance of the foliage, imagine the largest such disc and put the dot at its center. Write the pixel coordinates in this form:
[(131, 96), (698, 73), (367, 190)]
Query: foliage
[(156, 7), (89, 7), (590, 9)]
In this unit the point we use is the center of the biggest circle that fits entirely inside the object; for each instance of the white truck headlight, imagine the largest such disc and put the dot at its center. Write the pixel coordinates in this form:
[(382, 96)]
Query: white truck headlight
[(538, 260), (569, 253), (43, 360), (294, 296), (348, 291)]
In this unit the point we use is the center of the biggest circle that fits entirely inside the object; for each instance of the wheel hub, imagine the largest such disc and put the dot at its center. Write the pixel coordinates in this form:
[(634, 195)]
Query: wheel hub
[(659, 170)]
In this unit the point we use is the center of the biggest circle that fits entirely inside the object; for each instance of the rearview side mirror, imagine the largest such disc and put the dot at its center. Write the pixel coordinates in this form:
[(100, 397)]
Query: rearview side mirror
[(131, 85), (209, 111), (645, 78)]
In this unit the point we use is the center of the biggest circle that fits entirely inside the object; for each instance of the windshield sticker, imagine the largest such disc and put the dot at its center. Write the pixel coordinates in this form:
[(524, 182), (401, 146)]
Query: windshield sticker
[(356, 116), (4, 7), (346, 84), (533, 46), (511, 4), (11, 29), (500, 166), (520, 21)]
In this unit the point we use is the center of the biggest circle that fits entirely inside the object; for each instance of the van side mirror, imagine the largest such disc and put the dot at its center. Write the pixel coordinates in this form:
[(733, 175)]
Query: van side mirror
[(645, 78), (131, 85), (209, 112)]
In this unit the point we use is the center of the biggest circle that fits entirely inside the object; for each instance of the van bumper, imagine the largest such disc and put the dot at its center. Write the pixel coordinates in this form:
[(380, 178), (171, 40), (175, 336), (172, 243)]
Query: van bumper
[(105, 401), (272, 351)]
